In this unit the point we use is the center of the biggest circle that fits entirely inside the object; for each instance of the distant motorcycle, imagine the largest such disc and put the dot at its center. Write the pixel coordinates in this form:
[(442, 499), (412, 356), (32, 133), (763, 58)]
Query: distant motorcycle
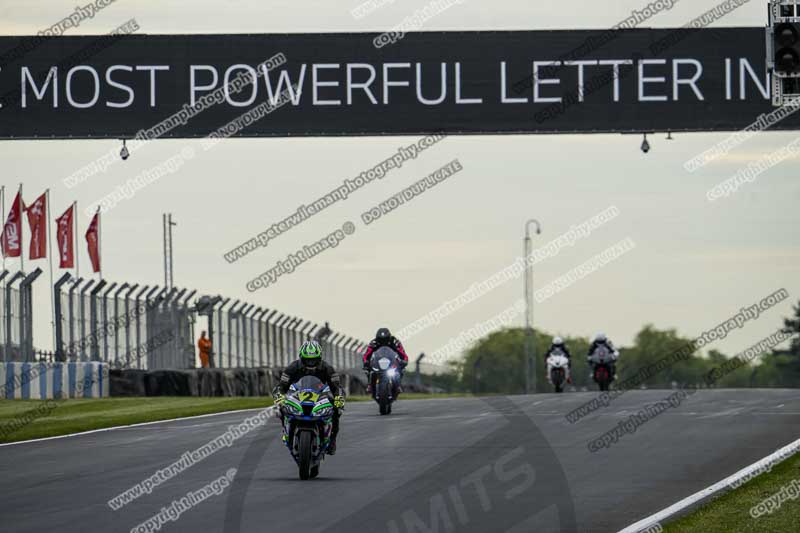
[(601, 360), (385, 377), (307, 414), (558, 369)]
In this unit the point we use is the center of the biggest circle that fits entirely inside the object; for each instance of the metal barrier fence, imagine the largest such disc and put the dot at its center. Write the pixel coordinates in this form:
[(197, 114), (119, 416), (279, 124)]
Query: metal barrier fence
[(16, 316), (244, 335), (150, 328)]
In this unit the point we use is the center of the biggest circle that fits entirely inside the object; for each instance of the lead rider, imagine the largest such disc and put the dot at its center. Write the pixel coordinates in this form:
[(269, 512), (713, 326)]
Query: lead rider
[(310, 363)]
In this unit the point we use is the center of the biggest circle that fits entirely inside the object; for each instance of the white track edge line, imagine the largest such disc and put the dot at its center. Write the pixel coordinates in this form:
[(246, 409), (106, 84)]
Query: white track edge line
[(139, 424), (783, 453)]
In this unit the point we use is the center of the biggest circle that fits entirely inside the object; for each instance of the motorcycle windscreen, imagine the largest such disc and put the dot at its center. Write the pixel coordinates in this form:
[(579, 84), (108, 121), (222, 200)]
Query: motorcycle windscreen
[(311, 383), (384, 357), (601, 355)]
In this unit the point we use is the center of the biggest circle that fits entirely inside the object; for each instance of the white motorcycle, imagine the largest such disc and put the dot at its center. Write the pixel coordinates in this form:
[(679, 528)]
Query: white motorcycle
[(558, 370)]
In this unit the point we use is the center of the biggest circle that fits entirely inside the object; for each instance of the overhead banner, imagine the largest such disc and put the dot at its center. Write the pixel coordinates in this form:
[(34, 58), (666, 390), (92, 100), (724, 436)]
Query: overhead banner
[(167, 86)]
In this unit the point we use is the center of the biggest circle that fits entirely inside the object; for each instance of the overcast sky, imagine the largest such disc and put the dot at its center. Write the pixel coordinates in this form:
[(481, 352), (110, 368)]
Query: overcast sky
[(695, 263)]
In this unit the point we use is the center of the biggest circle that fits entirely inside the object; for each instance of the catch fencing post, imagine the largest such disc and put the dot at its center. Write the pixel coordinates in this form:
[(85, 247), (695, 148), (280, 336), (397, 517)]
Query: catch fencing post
[(186, 343), (204, 306), (7, 351), (138, 312), (127, 298), (231, 312), (333, 343), (282, 349), (83, 295), (59, 347), (258, 318), (71, 329), (270, 338), (116, 320), (94, 352), (105, 320), (2, 322), (219, 344), (26, 314), (293, 336), (417, 369), (274, 352), (243, 318), (149, 304), (175, 353)]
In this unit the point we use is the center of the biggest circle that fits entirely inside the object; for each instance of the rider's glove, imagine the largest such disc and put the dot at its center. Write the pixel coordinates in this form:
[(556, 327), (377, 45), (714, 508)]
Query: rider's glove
[(338, 402), (278, 398)]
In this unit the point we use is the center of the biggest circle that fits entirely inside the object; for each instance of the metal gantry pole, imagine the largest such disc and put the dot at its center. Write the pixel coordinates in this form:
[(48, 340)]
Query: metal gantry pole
[(530, 344)]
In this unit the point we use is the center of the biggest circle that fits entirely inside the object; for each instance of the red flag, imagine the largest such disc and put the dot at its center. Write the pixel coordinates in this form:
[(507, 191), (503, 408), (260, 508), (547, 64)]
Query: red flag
[(37, 221), (93, 241), (12, 230), (66, 254)]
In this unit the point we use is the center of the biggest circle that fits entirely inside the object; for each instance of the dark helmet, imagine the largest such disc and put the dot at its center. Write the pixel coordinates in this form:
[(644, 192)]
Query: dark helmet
[(383, 336)]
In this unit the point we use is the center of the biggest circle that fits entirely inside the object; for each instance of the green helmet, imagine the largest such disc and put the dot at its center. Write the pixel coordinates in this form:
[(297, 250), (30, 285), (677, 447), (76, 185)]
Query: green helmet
[(310, 353)]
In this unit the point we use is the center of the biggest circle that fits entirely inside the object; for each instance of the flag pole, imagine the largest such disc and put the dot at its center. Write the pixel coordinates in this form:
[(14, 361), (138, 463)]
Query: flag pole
[(21, 231), (76, 244), (3, 216), (50, 261), (99, 243)]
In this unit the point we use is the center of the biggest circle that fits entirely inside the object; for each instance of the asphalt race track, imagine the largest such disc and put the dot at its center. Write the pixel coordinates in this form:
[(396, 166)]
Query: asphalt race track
[(495, 464)]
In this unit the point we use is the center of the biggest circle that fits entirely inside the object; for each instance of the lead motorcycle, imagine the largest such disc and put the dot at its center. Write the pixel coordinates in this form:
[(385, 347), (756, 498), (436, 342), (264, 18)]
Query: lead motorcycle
[(602, 360), (307, 416), (558, 369), (384, 376)]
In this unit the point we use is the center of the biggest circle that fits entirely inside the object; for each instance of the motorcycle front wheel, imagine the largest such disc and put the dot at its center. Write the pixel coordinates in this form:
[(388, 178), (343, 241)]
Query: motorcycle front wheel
[(305, 454)]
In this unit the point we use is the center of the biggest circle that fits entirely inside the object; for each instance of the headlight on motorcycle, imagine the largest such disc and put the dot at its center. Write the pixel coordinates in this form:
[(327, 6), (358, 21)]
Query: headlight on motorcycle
[(292, 408), (325, 411), (391, 372)]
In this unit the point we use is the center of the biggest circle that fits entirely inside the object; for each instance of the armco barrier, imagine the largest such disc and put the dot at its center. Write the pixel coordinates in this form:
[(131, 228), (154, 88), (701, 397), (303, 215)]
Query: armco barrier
[(42, 381), (208, 382)]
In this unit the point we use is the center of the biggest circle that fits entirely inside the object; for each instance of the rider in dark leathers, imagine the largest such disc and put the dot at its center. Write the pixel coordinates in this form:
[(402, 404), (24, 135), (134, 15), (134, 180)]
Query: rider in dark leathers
[(601, 340), (310, 363), (383, 337)]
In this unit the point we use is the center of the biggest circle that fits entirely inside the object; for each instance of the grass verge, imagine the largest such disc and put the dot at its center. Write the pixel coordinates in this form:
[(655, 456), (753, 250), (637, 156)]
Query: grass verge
[(731, 512), (32, 419)]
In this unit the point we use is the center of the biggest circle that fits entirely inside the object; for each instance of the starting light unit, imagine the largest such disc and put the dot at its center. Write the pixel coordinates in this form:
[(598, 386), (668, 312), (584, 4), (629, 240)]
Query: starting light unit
[(783, 50)]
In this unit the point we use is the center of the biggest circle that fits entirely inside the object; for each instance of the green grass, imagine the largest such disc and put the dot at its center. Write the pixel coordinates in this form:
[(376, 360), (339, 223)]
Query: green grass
[(54, 417), (60, 417), (731, 512)]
